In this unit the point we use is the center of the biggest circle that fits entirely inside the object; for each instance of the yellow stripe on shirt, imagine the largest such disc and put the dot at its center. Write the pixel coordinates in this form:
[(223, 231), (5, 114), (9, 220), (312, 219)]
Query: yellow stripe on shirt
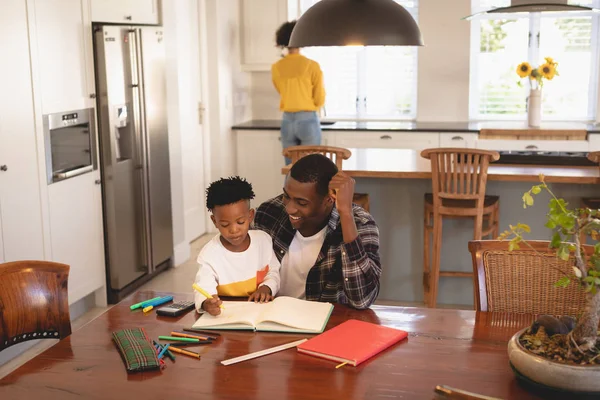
[(238, 289)]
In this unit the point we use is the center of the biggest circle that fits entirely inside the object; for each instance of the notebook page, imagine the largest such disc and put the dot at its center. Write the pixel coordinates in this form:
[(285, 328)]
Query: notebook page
[(299, 314), (236, 314)]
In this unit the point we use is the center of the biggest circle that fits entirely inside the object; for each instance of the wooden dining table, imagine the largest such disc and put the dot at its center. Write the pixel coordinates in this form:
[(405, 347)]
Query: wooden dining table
[(462, 349)]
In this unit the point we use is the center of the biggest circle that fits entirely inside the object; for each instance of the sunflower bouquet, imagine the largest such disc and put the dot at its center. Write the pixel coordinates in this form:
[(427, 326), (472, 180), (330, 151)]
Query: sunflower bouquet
[(547, 70)]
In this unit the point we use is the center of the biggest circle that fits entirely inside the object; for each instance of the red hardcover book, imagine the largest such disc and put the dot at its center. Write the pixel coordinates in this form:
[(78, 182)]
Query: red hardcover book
[(352, 342)]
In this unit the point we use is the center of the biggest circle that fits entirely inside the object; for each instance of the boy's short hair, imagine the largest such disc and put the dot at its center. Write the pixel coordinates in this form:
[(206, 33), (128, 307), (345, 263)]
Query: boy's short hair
[(228, 191), (283, 34), (315, 168)]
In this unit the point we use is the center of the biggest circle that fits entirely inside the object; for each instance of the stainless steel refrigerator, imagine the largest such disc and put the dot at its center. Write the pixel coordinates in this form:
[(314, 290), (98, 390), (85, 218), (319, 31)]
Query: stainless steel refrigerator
[(134, 153)]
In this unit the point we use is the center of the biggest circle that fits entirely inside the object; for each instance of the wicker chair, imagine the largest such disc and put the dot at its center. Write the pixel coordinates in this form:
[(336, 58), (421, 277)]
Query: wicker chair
[(590, 202), (33, 302), (522, 281), (335, 154)]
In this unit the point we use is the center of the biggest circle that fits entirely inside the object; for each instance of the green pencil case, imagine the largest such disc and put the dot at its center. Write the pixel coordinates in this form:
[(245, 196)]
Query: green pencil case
[(136, 349)]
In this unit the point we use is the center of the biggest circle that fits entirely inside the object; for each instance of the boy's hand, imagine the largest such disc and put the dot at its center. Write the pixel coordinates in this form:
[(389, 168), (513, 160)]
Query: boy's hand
[(262, 295), (211, 306)]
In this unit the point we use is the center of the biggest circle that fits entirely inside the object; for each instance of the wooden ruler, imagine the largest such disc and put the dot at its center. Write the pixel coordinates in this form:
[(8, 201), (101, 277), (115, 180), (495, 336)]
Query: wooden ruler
[(263, 352)]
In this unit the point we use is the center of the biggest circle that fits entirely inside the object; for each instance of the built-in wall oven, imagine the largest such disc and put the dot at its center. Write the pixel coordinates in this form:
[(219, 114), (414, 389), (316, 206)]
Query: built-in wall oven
[(70, 144)]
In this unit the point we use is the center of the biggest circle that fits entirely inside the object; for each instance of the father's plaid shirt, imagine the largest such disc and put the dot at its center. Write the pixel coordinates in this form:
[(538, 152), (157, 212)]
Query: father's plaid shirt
[(346, 273)]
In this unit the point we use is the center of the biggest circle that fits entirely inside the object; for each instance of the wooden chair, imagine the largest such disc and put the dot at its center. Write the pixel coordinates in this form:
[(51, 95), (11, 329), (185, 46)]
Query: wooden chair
[(33, 302), (459, 178), (522, 281), (335, 154)]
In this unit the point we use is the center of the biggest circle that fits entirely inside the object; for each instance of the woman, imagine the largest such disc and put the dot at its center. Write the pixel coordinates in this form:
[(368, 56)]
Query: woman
[(299, 81)]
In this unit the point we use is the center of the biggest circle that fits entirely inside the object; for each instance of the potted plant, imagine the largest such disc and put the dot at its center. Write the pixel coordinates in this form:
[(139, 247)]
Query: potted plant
[(564, 352)]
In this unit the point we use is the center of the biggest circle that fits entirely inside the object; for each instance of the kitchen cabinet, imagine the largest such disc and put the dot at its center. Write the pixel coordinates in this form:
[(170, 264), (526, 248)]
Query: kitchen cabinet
[(260, 20), (63, 53), (20, 199), (459, 139), (126, 11), (387, 140), (533, 145), (77, 234), (259, 160)]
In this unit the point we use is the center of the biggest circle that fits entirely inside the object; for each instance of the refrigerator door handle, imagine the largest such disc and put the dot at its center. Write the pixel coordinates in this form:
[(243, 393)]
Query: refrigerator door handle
[(141, 141)]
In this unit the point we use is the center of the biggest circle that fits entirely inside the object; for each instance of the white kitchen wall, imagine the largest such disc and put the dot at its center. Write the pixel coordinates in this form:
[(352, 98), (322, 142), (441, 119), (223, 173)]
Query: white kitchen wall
[(180, 20), (229, 88), (443, 66)]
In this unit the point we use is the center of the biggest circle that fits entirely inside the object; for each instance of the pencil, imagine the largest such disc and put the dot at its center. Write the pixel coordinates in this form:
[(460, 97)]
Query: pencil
[(204, 293), (341, 365), (169, 354), (181, 334), (200, 331), (186, 352)]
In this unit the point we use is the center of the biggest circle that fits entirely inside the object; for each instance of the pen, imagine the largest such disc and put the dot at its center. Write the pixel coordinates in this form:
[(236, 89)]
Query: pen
[(178, 339), (205, 332), (186, 352), (160, 347), (448, 392), (180, 334), (185, 344), (162, 352), (204, 293), (139, 305), (158, 302)]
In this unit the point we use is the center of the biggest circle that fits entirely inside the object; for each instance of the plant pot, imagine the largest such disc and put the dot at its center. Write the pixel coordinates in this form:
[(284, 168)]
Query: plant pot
[(563, 377), (534, 108)]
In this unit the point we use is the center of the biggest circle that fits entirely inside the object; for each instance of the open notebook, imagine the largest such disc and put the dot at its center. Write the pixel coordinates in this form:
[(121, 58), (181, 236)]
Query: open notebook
[(284, 314)]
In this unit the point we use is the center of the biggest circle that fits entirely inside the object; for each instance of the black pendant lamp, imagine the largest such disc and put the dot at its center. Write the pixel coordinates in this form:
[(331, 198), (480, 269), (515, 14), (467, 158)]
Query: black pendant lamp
[(356, 23)]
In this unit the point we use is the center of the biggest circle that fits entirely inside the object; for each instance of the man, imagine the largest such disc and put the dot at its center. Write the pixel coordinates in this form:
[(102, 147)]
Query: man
[(328, 247)]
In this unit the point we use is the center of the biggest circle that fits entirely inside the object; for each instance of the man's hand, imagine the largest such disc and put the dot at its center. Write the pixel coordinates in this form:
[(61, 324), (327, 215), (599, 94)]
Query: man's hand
[(211, 306), (262, 295), (343, 189)]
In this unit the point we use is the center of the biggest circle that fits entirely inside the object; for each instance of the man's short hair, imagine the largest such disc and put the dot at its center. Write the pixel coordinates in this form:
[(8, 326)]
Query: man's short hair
[(228, 191), (315, 168)]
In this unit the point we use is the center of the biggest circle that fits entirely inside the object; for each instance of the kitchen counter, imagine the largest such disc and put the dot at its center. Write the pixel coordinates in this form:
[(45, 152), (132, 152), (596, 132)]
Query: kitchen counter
[(396, 181), (408, 164), (403, 126)]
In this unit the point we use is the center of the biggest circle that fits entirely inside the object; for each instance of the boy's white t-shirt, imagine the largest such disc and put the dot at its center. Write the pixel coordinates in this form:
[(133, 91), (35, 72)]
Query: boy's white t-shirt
[(227, 273), (298, 261)]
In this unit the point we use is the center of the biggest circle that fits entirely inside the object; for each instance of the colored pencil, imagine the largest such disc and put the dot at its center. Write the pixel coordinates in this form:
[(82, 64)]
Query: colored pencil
[(186, 352)]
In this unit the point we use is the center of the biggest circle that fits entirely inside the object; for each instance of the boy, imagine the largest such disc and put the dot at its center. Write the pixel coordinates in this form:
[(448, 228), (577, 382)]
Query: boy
[(236, 262)]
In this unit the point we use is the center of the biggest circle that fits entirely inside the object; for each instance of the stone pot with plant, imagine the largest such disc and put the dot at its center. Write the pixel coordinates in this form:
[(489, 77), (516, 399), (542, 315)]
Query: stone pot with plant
[(563, 352)]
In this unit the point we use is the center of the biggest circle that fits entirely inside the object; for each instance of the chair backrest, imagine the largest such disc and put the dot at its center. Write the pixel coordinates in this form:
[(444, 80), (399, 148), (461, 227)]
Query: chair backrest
[(522, 281), (594, 156), (33, 302), (459, 173), (335, 154)]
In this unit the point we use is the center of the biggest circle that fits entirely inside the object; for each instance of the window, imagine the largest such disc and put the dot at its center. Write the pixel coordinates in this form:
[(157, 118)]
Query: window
[(377, 82), (499, 42)]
